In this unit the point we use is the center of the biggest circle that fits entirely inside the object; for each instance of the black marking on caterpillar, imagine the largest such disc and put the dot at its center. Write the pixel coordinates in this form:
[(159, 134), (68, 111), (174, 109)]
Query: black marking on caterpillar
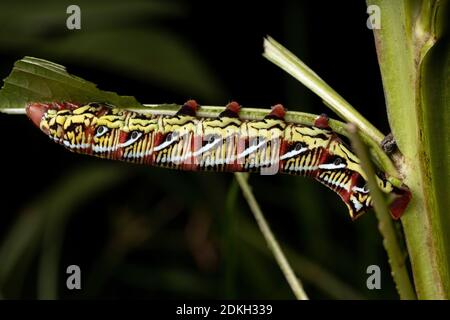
[(226, 143)]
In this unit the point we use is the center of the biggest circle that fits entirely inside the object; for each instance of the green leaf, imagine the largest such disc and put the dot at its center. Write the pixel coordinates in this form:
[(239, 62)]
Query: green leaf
[(34, 79)]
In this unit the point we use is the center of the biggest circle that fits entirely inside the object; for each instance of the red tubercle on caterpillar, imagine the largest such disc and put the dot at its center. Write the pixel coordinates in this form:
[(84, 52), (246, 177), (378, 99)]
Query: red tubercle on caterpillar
[(192, 104), (278, 111), (400, 203), (231, 110), (322, 121), (233, 106), (189, 108)]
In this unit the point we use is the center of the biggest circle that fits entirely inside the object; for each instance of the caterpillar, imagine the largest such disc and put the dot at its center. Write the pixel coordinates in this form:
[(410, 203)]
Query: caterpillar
[(226, 143)]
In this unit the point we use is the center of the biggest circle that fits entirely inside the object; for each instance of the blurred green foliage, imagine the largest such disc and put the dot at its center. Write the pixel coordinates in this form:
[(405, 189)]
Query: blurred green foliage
[(154, 233), (112, 36)]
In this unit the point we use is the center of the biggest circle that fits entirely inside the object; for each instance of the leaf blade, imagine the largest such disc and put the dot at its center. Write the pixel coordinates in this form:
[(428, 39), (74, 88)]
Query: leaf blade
[(34, 79)]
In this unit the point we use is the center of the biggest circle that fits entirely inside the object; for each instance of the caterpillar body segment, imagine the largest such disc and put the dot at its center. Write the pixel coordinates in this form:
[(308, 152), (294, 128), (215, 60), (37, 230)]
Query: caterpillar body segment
[(224, 144)]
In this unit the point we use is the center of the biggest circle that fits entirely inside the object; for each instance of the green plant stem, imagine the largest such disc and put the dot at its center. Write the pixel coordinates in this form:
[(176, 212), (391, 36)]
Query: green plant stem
[(229, 224), (414, 57), (311, 271), (296, 117), (245, 114), (287, 61), (258, 113), (385, 224), (285, 267)]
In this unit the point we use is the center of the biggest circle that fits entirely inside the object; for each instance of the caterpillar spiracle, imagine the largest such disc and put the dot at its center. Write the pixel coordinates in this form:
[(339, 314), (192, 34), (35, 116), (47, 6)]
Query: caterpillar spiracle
[(225, 143)]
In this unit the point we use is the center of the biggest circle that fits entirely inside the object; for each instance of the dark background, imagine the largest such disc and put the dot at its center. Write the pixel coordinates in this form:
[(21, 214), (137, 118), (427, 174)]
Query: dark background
[(139, 232)]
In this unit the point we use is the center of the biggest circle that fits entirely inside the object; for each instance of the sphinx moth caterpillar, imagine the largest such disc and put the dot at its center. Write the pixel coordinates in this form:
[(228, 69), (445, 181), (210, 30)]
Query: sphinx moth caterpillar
[(226, 143)]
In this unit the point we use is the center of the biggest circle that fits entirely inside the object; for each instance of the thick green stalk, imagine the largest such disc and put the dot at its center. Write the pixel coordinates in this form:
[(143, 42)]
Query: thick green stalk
[(287, 61), (414, 60)]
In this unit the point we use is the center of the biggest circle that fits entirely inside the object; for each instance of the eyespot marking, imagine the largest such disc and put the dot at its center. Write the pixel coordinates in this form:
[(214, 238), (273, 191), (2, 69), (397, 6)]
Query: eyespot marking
[(100, 131)]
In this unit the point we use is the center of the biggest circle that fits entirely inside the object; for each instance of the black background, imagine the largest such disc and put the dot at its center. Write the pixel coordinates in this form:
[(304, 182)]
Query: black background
[(196, 252)]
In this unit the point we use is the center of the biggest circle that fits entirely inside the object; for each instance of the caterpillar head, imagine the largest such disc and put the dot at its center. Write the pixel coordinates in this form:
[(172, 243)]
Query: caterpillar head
[(90, 129), (320, 153), (346, 178), (340, 170)]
